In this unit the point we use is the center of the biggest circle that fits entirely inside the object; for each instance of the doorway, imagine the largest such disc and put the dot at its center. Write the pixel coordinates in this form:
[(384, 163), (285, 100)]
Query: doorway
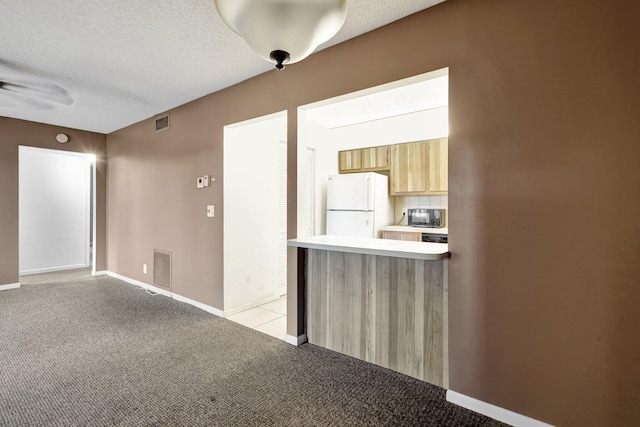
[(255, 223), (56, 210)]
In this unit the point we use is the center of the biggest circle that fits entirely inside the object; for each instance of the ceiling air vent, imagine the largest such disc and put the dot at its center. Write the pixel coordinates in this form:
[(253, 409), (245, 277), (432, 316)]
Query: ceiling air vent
[(162, 123)]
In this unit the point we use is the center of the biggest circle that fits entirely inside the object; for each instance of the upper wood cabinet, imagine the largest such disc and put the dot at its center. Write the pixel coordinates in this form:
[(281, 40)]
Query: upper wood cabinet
[(364, 159), (375, 158), (350, 160), (438, 165), (419, 168)]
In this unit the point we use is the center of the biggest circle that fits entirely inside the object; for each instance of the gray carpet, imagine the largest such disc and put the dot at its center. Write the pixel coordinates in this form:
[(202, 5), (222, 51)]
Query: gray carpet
[(77, 350)]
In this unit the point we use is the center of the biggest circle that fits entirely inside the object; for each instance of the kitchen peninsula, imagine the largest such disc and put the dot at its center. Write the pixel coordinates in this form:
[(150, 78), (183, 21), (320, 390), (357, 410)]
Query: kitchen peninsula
[(382, 301)]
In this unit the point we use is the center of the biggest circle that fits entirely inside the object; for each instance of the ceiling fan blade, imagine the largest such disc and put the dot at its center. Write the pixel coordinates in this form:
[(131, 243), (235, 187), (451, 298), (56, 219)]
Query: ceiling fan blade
[(10, 98), (44, 90)]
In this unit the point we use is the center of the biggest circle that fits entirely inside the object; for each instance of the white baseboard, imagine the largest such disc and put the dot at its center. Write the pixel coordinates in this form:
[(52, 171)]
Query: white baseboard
[(177, 297), (9, 286), (493, 411), (251, 305), (131, 281), (201, 306), (100, 273), (52, 269), (293, 340)]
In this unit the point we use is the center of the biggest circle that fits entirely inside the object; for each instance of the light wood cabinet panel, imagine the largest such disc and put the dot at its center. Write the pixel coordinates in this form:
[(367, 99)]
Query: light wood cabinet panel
[(375, 158), (399, 235), (409, 172), (350, 160), (438, 165), (388, 311), (364, 159), (419, 168)]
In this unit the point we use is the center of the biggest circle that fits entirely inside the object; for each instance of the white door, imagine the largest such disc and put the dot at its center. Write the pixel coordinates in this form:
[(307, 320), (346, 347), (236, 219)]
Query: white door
[(350, 192), (350, 223)]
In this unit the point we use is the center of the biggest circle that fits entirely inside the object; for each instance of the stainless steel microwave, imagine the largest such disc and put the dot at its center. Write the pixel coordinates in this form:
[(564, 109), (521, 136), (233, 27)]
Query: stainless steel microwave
[(429, 218)]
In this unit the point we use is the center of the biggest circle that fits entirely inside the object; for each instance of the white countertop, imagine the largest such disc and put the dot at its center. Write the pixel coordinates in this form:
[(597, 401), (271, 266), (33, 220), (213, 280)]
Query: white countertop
[(407, 229), (370, 246)]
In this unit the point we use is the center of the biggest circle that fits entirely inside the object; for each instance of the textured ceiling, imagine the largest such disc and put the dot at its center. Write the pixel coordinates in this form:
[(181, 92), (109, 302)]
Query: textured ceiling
[(101, 65)]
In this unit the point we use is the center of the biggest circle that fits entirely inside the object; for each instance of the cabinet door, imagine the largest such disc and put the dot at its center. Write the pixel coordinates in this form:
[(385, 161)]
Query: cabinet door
[(350, 160), (375, 158), (399, 235), (409, 168), (438, 165), (420, 168)]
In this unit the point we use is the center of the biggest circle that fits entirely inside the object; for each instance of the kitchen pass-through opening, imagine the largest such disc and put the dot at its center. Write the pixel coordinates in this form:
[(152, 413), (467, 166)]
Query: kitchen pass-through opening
[(358, 132)]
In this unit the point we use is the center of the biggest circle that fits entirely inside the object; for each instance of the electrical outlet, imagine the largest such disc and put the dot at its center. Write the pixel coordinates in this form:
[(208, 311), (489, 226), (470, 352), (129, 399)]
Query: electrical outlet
[(404, 211), (144, 268), (210, 211)]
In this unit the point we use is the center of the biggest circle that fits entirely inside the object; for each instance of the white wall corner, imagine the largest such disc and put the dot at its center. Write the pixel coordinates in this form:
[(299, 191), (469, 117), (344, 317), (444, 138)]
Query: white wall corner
[(160, 291), (492, 411), (296, 341), (9, 286)]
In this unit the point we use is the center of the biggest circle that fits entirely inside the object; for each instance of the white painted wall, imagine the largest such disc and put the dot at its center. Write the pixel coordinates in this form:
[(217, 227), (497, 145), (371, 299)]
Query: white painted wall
[(54, 203), (251, 211), (327, 142)]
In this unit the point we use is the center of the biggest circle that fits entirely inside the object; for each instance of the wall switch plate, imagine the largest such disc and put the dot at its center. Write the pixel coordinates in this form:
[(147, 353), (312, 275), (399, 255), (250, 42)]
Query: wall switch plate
[(210, 211), (144, 268), (205, 180), (404, 211), (200, 183)]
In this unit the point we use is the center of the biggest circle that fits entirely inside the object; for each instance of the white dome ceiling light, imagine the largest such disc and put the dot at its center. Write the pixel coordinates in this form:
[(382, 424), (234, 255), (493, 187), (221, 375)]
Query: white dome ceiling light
[(283, 31)]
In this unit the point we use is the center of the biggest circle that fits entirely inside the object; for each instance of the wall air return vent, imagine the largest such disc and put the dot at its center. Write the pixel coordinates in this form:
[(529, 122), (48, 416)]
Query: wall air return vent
[(162, 268), (162, 123)]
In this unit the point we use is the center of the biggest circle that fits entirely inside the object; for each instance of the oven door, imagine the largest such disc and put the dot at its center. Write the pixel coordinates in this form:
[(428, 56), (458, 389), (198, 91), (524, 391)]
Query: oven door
[(435, 238)]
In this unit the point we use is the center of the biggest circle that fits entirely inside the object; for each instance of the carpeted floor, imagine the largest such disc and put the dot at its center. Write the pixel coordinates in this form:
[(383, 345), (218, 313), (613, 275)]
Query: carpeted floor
[(77, 350)]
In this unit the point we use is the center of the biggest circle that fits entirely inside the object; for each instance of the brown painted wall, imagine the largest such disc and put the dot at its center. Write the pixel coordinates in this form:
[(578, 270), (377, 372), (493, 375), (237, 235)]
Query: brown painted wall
[(544, 184), (14, 133)]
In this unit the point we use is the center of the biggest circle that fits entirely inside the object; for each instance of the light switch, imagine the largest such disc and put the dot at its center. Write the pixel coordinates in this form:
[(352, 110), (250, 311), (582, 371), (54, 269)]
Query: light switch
[(200, 183), (205, 180), (210, 211)]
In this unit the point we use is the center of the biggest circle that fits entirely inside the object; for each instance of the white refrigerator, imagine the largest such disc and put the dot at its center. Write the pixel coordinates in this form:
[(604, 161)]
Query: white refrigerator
[(358, 204)]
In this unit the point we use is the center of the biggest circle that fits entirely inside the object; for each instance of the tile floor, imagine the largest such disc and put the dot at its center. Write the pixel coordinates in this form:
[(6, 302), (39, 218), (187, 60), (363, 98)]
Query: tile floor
[(269, 318)]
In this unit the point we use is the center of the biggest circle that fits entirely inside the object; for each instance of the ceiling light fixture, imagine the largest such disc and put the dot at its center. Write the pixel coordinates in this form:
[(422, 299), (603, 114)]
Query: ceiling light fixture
[(283, 31)]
